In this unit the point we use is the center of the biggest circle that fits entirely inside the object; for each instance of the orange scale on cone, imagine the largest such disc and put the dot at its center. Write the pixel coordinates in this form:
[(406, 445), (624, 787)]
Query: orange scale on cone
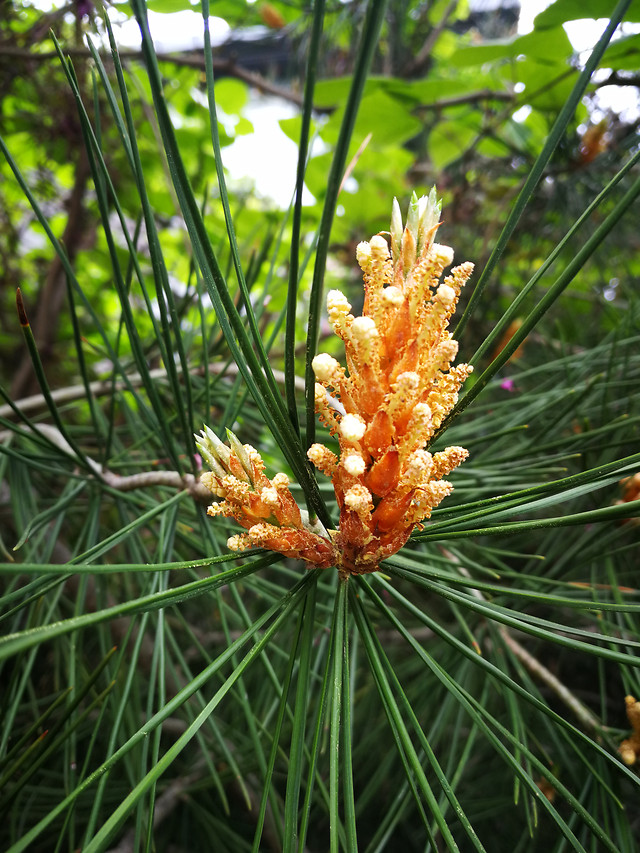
[(398, 331), (380, 434), (389, 512), (257, 511), (353, 530), (235, 467), (369, 395), (408, 363), (383, 477)]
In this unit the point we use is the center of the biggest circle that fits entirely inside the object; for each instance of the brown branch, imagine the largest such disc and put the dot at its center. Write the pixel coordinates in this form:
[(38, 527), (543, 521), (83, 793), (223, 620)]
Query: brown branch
[(616, 79), (45, 23), (51, 296), (129, 482), (186, 59), (176, 792), (101, 387), (232, 69), (473, 98), (164, 805), (173, 479), (419, 60), (583, 714)]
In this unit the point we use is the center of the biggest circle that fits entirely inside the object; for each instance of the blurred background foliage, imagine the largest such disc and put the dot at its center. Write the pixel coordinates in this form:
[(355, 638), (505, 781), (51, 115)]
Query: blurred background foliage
[(455, 96), (444, 104)]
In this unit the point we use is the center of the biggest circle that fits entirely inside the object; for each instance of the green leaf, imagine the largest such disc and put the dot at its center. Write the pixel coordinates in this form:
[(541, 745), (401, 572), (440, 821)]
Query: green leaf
[(166, 7), (385, 118), (550, 45), (232, 96), (546, 85), (335, 91), (623, 54), (571, 10), (449, 140)]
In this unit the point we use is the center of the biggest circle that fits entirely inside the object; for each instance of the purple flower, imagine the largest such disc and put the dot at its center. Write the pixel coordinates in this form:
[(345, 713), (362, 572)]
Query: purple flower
[(84, 7)]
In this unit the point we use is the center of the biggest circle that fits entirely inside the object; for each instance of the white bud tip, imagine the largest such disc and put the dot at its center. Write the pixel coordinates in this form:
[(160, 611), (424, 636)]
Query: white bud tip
[(408, 381), (448, 350), (419, 462), (236, 543), (324, 366), (280, 481), (358, 498), (316, 452), (269, 496), (337, 302), (422, 412), (443, 254), (363, 328), (396, 220), (363, 254), (379, 246), (320, 393), (392, 295), (446, 295), (354, 464), (352, 427)]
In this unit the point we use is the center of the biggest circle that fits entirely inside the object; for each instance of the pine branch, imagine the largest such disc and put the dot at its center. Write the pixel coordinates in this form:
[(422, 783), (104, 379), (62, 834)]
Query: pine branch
[(143, 480), (583, 714)]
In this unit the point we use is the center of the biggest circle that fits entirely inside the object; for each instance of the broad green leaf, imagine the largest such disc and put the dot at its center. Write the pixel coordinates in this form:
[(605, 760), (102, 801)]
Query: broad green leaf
[(231, 95), (571, 10), (169, 6), (387, 120), (623, 54), (449, 140), (547, 84), (550, 45)]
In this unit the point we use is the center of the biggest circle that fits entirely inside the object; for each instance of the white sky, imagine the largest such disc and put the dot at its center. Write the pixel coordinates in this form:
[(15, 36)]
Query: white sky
[(171, 31)]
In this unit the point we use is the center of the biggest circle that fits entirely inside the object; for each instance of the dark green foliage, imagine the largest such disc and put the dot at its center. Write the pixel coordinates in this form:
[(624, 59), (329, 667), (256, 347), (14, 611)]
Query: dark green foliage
[(162, 693)]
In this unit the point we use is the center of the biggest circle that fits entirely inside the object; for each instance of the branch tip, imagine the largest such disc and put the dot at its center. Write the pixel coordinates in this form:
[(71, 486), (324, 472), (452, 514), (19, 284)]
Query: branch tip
[(22, 314)]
